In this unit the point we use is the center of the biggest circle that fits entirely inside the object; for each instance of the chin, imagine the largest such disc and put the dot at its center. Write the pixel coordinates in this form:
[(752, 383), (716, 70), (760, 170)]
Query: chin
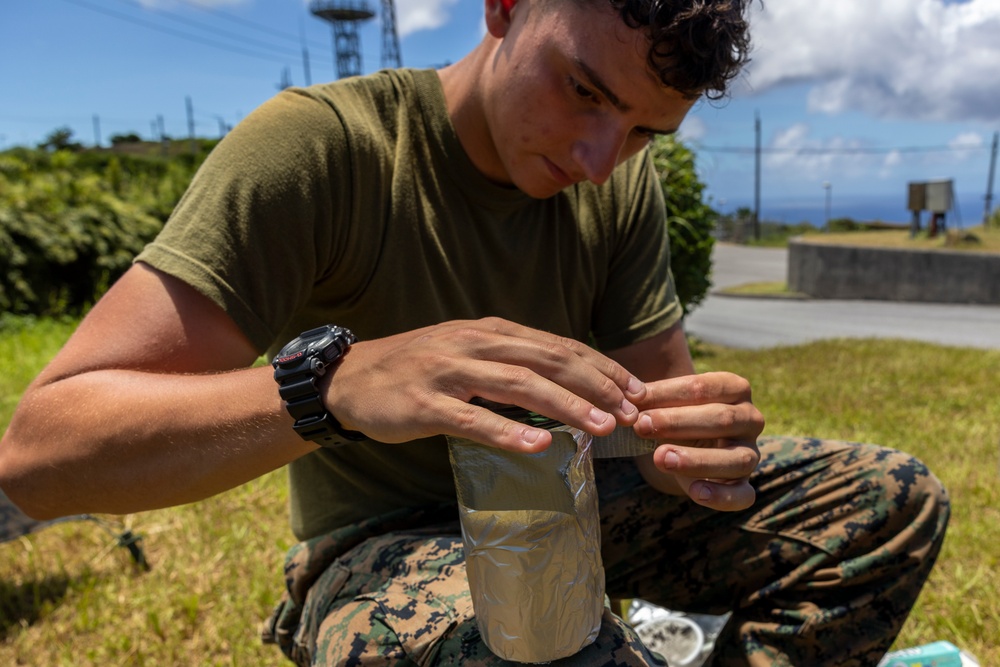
[(539, 186)]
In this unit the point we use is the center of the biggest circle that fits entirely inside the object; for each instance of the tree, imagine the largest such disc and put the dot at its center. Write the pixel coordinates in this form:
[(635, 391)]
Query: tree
[(130, 138), (690, 220), (59, 139)]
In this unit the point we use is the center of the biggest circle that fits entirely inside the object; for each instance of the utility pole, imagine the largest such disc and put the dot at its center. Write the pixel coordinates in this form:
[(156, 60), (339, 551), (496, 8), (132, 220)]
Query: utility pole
[(989, 181), (190, 113), (97, 131), (164, 144), (756, 184), (305, 55), (286, 79), (829, 188)]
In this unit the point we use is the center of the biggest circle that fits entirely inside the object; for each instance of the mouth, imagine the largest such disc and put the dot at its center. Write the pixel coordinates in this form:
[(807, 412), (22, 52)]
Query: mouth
[(558, 175)]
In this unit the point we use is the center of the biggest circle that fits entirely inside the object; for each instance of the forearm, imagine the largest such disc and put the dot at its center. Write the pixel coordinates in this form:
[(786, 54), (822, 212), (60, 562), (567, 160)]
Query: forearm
[(123, 441)]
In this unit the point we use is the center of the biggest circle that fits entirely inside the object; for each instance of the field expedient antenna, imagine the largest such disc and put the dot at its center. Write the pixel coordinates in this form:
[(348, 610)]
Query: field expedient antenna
[(345, 15)]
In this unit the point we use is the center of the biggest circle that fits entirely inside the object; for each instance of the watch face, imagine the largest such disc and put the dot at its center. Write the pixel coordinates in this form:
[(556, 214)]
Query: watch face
[(329, 341)]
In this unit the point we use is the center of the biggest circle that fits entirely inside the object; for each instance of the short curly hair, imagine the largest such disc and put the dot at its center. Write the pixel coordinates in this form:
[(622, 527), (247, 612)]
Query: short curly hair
[(696, 46)]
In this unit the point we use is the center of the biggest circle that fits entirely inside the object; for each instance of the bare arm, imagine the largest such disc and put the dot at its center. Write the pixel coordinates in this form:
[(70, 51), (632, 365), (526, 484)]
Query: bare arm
[(144, 408), (151, 402), (706, 425)]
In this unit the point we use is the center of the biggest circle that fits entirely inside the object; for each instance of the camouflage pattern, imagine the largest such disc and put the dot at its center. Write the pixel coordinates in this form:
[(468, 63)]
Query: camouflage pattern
[(822, 570)]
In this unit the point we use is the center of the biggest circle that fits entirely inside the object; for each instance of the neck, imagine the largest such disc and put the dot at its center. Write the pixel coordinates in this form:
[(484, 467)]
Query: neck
[(463, 95)]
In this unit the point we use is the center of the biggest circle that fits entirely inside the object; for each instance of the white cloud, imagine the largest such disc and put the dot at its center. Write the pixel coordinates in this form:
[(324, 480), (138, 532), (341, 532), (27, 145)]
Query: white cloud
[(794, 155), (919, 59), (415, 15), (692, 129), (967, 140), (892, 160)]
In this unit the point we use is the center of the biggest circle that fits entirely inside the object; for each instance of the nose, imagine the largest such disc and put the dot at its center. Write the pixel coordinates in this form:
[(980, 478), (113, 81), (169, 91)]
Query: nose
[(597, 154)]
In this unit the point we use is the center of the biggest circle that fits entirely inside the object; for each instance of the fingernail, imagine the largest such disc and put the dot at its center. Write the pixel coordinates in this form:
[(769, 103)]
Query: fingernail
[(705, 493), (627, 408), (530, 435), (671, 460), (645, 424), (598, 416), (634, 386)]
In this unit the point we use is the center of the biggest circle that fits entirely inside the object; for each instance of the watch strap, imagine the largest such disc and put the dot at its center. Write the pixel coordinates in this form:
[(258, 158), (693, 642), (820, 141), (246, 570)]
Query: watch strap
[(297, 386)]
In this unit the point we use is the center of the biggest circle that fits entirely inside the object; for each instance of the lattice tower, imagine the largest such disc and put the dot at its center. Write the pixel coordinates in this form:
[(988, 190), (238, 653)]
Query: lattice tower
[(344, 15), (391, 56)]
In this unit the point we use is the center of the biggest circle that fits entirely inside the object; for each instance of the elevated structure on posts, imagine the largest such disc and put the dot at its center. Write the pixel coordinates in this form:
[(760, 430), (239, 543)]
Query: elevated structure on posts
[(345, 16)]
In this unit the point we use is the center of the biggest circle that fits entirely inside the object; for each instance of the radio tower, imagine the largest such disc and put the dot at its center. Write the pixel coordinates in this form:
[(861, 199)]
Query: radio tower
[(345, 15), (391, 56)]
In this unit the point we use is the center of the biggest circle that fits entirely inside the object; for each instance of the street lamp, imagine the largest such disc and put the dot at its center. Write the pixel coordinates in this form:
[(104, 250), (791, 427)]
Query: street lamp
[(829, 190)]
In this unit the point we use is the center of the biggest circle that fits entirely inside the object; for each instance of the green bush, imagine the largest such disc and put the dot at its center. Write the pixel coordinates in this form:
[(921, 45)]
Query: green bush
[(71, 222), (689, 220)]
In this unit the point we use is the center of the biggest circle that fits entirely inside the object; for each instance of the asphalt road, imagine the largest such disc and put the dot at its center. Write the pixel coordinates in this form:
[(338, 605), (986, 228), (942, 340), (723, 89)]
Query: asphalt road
[(759, 322)]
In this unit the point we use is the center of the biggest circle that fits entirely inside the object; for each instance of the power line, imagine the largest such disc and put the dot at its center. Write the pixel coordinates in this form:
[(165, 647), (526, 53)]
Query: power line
[(256, 26), (286, 51), (174, 33), (858, 150)]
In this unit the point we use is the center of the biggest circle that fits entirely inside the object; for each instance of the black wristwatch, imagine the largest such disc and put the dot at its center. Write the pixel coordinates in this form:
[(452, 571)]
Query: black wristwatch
[(297, 370)]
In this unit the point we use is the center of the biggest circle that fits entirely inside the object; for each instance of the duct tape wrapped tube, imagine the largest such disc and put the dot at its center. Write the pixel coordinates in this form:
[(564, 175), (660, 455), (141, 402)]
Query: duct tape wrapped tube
[(531, 530)]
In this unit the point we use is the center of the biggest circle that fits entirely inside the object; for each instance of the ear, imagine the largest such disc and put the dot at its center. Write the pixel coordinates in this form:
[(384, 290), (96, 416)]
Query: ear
[(498, 16)]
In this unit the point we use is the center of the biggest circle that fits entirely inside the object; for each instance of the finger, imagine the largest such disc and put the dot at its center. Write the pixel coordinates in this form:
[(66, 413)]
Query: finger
[(715, 420), (481, 425), (701, 389), (732, 460), (566, 362), (729, 496), (517, 385)]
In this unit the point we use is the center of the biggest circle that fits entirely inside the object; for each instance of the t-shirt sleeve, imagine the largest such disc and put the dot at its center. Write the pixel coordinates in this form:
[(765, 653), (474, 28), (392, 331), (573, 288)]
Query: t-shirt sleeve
[(639, 299), (260, 222)]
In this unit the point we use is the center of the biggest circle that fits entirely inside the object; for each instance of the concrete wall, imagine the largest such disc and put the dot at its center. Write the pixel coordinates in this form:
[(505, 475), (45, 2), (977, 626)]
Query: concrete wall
[(827, 271)]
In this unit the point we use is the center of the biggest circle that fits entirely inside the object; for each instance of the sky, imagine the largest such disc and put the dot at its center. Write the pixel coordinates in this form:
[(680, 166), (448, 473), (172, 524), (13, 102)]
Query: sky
[(855, 98)]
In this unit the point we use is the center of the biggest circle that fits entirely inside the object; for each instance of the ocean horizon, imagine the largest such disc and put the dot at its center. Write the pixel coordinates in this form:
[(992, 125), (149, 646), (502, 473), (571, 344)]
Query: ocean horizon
[(967, 211)]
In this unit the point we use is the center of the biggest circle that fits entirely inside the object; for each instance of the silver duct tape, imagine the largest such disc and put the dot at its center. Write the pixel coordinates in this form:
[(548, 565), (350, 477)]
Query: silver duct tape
[(531, 529), (622, 442)]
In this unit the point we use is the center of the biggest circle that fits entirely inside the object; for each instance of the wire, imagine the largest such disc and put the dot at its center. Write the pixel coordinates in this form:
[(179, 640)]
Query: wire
[(256, 26), (749, 150), (201, 26), (174, 33)]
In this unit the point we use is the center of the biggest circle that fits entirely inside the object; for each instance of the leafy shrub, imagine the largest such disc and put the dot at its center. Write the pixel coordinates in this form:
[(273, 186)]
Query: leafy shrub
[(689, 220), (70, 223)]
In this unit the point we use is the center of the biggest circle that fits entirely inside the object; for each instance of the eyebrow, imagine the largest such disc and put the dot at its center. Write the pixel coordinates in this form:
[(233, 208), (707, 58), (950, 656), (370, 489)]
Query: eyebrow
[(597, 82)]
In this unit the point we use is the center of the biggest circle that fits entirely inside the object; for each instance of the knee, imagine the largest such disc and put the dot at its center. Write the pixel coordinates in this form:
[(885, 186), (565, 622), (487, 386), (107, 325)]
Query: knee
[(913, 500)]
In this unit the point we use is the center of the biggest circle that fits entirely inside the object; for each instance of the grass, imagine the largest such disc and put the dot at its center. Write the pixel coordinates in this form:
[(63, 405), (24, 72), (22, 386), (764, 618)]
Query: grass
[(778, 289), (977, 239), (69, 597)]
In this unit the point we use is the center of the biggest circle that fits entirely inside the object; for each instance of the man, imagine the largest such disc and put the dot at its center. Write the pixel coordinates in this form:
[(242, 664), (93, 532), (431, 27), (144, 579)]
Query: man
[(471, 227)]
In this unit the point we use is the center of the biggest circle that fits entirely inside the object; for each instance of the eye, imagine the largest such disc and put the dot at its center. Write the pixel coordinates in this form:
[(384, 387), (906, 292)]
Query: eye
[(582, 91)]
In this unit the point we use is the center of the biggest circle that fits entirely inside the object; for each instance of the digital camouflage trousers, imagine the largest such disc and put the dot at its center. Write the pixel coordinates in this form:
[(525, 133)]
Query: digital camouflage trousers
[(822, 569)]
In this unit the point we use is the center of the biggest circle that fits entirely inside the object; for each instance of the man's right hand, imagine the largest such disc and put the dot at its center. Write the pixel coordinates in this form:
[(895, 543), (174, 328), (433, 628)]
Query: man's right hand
[(419, 383)]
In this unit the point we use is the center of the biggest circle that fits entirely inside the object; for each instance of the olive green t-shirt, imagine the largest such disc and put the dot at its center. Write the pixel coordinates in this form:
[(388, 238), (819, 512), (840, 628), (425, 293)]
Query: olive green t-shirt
[(354, 203)]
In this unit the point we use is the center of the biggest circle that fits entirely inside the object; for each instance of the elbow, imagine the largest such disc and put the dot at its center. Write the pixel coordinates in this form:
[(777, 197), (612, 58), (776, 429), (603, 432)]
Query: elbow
[(20, 488)]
